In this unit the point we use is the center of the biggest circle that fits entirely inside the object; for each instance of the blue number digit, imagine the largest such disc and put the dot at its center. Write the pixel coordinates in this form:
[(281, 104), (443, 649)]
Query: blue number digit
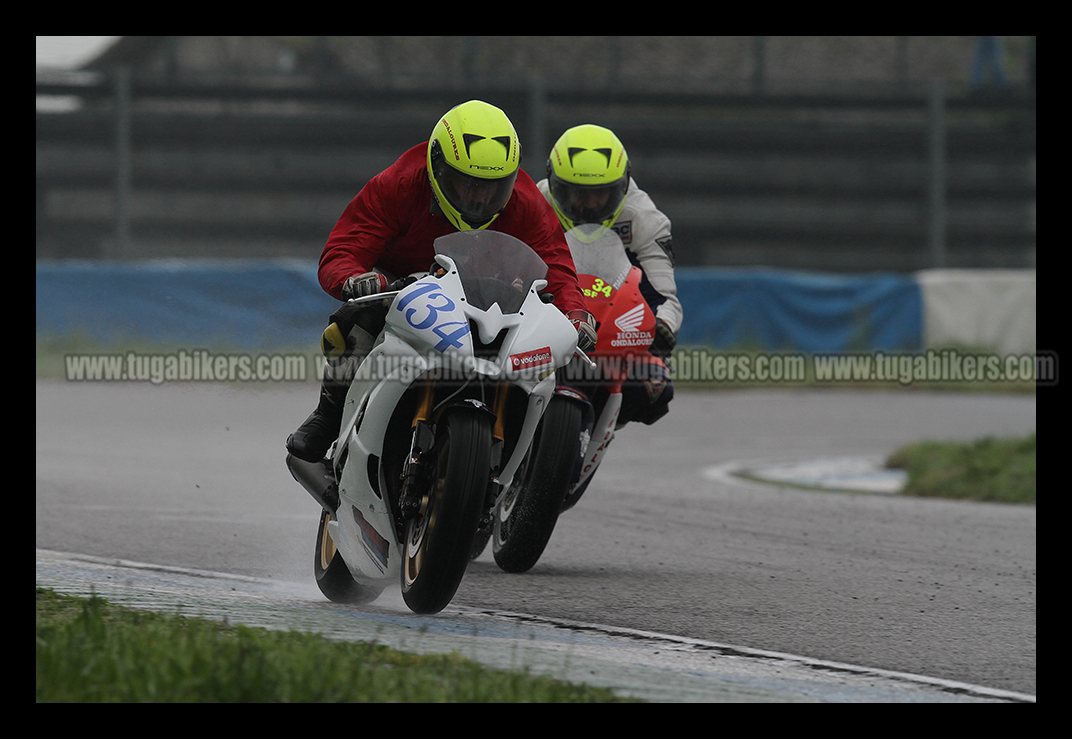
[(436, 303), (453, 339), (433, 311), (417, 291)]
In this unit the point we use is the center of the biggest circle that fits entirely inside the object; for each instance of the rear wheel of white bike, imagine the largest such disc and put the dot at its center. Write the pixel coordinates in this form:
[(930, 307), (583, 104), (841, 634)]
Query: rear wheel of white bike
[(440, 538), (332, 575)]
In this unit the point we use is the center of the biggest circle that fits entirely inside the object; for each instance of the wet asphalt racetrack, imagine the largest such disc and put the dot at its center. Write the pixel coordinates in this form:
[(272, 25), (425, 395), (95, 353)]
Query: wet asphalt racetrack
[(192, 475)]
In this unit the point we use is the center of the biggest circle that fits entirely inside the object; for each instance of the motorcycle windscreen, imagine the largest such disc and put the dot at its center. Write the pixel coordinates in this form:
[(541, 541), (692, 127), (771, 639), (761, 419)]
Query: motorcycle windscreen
[(604, 257), (495, 268)]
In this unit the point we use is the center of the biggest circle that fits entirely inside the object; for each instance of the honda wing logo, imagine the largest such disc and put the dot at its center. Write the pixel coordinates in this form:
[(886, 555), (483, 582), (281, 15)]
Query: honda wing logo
[(630, 320), (629, 333)]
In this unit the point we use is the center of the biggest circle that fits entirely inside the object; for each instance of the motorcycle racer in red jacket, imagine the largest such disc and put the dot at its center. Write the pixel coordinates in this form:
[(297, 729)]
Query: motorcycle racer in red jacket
[(467, 176)]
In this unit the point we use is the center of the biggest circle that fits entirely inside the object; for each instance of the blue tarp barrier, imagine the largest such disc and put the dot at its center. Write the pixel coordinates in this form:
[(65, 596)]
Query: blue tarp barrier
[(813, 312), (258, 304), (242, 305)]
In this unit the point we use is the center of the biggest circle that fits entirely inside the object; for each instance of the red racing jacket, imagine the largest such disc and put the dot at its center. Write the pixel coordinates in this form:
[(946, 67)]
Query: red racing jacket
[(391, 224)]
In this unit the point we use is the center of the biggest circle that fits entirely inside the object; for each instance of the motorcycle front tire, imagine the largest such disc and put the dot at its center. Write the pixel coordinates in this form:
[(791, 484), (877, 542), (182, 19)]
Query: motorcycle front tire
[(526, 517), (333, 576), (439, 541)]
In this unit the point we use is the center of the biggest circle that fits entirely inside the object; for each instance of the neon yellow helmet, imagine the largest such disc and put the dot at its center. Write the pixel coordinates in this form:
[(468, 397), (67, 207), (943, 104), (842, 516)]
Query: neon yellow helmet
[(473, 160), (588, 176)]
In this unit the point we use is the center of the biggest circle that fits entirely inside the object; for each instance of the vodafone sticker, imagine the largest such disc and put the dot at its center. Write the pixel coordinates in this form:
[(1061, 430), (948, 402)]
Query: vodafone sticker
[(534, 358)]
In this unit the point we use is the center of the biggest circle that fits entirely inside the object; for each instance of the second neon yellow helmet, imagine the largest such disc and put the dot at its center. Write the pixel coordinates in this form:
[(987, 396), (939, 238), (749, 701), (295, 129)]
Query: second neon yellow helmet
[(588, 176), (473, 160)]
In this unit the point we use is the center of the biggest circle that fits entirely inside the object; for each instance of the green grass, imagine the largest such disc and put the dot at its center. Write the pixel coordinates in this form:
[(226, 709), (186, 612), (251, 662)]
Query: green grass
[(990, 469), (91, 651)]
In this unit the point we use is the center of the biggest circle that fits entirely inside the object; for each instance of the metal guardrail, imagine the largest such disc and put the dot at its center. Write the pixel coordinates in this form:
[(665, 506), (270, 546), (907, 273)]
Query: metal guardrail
[(653, 122)]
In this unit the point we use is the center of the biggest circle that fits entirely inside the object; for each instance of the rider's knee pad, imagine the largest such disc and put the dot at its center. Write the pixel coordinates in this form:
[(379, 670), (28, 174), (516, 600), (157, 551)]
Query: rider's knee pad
[(647, 393)]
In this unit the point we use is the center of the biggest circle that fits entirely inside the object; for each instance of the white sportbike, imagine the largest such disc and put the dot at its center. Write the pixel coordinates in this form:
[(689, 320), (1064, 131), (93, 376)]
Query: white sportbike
[(436, 422)]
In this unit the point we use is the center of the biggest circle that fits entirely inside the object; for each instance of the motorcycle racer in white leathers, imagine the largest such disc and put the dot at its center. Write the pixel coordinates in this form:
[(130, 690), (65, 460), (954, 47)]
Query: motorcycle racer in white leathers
[(589, 181)]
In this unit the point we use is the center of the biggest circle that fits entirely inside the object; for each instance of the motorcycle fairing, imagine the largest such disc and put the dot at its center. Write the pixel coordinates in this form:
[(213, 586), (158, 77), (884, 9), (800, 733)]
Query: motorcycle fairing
[(446, 326)]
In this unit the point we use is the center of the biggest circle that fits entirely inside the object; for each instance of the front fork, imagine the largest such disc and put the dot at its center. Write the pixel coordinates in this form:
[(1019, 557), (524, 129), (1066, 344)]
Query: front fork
[(418, 474), (416, 491), (497, 437)]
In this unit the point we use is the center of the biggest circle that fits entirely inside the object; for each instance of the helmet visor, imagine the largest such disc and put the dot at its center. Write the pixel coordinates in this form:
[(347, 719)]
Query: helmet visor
[(588, 203), (477, 199)]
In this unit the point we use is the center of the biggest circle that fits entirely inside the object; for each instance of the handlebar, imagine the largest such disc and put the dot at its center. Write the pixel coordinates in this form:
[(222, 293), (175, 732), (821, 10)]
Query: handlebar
[(390, 294), (587, 360), (386, 295)]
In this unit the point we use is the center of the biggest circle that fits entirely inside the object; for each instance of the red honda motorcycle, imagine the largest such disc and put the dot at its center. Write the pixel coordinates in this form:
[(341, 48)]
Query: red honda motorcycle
[(579, 424)]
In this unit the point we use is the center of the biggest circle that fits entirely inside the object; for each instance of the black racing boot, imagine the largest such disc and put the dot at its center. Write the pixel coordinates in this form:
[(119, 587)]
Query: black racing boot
[(346, 341), (312, 439)]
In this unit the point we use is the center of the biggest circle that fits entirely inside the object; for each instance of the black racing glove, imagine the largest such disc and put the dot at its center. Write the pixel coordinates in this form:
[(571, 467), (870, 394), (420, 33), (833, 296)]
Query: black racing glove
[(361, 286), (665, 340), (585, 323)]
